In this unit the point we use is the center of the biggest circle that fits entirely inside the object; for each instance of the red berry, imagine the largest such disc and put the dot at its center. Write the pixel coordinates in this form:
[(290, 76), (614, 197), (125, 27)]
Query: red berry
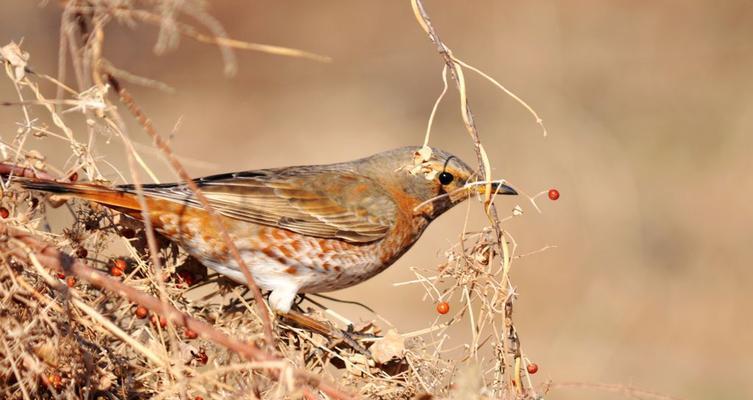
[(186, 277), (190, 334), (118, 267), (554, 194), (162, 321), (443, 307), (198, 398), (60, 275), (202, 357), (120, 263), (73, 177), (4, 212), (70, 281), (532, 368), (141, 312)]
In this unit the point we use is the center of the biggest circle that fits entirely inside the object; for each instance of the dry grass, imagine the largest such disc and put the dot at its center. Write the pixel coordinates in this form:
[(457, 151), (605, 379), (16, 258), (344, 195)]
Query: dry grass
[(69, 332)]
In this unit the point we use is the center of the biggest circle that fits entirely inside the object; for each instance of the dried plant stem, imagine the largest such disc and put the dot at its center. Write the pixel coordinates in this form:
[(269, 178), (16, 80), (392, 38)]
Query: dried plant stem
[(146, 123), (14, 367), (509, 339), (15, 170), (456, 74), (236, 44), (436, 106), (92, 313), (49, 256)]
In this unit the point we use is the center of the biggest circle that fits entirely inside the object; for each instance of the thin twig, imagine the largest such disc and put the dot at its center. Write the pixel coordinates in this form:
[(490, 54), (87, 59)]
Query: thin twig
[(146, 123), (49, 256)]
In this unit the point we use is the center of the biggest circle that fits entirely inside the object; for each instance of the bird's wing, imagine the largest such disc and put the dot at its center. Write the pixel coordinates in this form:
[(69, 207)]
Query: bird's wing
[(326, 204)]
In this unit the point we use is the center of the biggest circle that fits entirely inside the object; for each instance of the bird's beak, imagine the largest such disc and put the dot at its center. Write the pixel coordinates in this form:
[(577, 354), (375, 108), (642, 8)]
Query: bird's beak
[(499, 188)]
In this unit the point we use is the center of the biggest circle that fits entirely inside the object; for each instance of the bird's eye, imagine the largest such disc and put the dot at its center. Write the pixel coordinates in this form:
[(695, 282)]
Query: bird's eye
[(445, 178)]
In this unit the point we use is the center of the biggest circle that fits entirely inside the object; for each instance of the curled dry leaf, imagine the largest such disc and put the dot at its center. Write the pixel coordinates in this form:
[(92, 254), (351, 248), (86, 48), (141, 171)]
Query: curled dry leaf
[(92, 99), (35, 155), (357, 363), (392, 346), (106, 381), (16, 57), (420, 159), (423, 155), (48, 353)]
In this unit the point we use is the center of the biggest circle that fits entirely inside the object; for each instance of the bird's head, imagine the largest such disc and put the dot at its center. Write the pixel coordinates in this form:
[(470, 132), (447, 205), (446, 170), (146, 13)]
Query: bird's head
[(432, 180)]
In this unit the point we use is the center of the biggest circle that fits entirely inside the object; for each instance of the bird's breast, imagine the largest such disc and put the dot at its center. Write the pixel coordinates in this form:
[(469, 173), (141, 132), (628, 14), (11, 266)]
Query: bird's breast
[(277, 255)]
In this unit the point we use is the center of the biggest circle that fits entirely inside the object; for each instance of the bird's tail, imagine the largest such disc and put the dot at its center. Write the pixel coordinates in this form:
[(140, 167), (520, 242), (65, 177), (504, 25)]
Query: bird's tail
[(89, 191)]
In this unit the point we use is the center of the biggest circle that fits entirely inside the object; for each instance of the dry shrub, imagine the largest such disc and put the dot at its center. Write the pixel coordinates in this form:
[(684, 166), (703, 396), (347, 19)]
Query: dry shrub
[(68, 332)]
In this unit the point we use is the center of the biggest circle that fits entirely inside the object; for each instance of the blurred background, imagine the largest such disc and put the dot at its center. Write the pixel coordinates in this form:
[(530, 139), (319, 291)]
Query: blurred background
[(649, 108)]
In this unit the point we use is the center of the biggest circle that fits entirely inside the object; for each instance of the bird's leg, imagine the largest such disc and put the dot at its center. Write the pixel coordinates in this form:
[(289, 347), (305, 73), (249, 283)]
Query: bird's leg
[(325, 329), (350, 330)]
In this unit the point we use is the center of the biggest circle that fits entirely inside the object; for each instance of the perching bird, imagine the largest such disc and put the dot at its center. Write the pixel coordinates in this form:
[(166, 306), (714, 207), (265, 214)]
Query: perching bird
[(302, 229)]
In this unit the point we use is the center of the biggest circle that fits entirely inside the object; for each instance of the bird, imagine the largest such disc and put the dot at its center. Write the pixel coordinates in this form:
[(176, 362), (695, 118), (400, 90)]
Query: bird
[(301, 229)]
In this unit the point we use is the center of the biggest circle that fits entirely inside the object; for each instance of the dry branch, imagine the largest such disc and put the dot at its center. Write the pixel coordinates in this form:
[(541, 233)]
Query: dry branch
[(178, 167), (456, 73), (49, 256)]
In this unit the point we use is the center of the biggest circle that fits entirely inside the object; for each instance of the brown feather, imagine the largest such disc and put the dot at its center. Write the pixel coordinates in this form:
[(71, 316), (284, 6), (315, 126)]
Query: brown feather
[(326, 204)]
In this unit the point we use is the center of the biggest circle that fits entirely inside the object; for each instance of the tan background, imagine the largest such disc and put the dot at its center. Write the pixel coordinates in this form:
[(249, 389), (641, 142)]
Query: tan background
[(649, 109)]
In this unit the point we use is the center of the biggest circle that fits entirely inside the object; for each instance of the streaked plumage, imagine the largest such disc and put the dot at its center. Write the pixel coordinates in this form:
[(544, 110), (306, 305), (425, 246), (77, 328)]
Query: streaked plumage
[(301, 229)]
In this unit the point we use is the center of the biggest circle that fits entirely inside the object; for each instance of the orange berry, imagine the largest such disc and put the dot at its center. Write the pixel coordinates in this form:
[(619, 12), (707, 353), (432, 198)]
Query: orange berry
[(162, 321), (120, 264), (443, 307), (115, 271), (198, 398), (190, 334), (554, 194), (70, 281), (141, 312), (4, 212), (118, 267), (56, 381), (532, 368)]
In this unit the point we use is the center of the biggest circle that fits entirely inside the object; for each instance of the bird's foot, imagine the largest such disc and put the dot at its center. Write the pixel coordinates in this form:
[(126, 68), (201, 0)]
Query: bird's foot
[(348, 337)]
